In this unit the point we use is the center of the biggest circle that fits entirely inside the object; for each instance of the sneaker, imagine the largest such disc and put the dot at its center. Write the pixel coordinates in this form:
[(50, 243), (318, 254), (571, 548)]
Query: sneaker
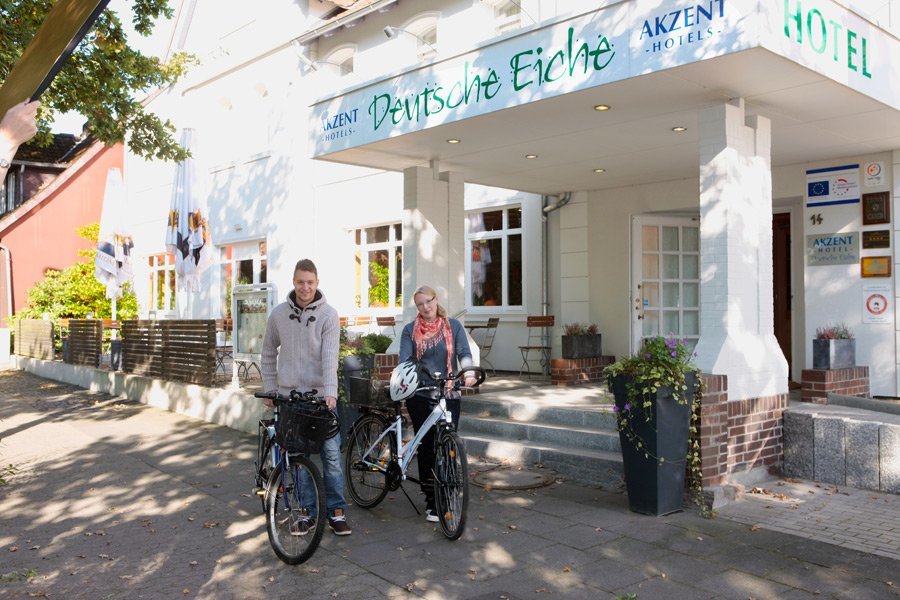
[(303, 525), (339, 524), (431, 515)]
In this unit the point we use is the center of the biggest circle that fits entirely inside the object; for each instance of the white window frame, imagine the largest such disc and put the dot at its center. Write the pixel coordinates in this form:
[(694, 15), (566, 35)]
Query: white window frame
[(504, 235), (240, 251), (162, 262), (362, 249)]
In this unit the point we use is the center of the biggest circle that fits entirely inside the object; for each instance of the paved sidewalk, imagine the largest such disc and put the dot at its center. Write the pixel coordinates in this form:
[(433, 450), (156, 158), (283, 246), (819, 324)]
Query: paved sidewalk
[(105, 499)]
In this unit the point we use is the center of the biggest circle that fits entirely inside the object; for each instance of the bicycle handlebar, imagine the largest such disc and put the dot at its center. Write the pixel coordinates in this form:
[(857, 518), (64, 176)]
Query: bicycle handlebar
[(294, 396), (457, 378)]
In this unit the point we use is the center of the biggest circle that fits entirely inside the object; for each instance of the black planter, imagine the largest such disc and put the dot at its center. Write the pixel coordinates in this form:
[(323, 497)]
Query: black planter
[(834, 354), (581, 346), (656, 488), (354, 366)]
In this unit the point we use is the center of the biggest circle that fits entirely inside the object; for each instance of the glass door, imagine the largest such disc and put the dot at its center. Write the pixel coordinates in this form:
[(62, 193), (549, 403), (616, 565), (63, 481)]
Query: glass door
[(666, 276)]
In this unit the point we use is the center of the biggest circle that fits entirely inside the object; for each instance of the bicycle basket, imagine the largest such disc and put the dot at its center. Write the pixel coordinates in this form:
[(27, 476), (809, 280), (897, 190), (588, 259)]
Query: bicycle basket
[(304, 429), (369, 392)]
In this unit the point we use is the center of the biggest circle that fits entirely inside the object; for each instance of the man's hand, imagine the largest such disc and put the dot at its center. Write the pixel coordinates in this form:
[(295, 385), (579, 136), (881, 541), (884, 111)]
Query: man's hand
[(268, 402), (330, 402), (19, 123)]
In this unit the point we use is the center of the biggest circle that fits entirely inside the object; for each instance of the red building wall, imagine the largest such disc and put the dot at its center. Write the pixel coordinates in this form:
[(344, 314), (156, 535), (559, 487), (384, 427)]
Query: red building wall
[(42, 234)]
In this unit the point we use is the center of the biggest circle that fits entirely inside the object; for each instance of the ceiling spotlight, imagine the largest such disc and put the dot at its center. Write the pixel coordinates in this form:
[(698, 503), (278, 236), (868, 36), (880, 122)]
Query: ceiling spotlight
[(601, 107), (390, 32), (453, 141), (531, 156), (599, 170), (679, 129)]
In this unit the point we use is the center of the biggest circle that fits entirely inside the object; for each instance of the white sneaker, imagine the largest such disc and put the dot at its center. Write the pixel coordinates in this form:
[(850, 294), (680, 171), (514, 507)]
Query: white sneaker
[(431, 516)]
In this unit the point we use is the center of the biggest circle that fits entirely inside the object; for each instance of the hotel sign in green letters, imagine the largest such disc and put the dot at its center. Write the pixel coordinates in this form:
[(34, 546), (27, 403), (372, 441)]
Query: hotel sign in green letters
[(617, 42)]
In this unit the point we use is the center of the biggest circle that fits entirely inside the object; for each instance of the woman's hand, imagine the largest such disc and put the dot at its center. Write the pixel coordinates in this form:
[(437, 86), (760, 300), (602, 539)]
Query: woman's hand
[(470, 381)]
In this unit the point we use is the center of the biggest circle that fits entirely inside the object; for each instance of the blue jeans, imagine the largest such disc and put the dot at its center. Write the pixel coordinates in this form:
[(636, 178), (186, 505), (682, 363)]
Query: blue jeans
[(333, 475)]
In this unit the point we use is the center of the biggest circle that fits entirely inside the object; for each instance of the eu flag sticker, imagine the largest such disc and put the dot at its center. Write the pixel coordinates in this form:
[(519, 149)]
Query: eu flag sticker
[(817, 188)]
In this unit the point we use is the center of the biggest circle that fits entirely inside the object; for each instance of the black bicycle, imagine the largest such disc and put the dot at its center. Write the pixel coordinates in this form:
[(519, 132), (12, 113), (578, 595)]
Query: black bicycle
[(377, 459), (288, 481)]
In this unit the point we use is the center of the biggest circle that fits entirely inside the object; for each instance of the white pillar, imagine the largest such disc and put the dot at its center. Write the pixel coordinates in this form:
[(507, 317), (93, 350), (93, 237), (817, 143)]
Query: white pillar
[(433, 236), (737, 336)]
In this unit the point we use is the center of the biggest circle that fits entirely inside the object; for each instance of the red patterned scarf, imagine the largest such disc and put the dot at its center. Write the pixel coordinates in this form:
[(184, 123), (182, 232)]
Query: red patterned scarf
[(428, 335)]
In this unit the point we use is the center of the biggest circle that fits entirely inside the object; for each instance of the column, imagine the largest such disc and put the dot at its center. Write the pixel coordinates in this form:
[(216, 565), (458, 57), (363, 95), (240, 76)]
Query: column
[(737, 322)]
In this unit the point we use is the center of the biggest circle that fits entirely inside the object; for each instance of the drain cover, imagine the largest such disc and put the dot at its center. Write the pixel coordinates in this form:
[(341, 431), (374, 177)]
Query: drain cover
[(509, 479)]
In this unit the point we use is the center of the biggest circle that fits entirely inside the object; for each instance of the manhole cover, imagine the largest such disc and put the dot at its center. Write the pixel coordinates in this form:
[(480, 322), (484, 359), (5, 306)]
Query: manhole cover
[(508, 479)]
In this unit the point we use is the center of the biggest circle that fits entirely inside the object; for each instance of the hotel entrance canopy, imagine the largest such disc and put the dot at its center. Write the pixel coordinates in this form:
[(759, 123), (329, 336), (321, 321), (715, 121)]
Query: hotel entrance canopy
[(828, 80)]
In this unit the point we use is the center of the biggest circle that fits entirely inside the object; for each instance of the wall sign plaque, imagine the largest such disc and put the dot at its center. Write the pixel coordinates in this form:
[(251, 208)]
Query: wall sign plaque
[(876, 208), (875, 266), (880, 238)]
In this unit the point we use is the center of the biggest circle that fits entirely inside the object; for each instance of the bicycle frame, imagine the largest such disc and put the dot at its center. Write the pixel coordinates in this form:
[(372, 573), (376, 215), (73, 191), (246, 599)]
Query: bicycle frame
[(405, 452)]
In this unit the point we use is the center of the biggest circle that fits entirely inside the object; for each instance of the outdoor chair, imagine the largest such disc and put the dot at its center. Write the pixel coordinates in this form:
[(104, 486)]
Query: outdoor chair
[(538, 335), (384, 322), (487, 342)]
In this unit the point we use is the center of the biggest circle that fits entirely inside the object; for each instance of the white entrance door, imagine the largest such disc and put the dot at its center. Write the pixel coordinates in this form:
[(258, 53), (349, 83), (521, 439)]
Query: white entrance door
[(665, 279)]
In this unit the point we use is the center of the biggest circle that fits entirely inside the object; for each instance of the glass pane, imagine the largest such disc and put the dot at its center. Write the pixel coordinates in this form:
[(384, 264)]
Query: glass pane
[(398, 232), (357, 236), (671, 323), (651, 295), (649, 237), (691, 295), (262, 271), (515, 218), (691, 322), (691, 237), (398, 281), (670, 295), (377, 235), (171, 289), (357, 278), (670, 239), (691, 265), (160, 290), (651, 266), (515, 271), (651, 323), (245, 272), (487, 272), (670, 266), (379, 278), (485, 221)]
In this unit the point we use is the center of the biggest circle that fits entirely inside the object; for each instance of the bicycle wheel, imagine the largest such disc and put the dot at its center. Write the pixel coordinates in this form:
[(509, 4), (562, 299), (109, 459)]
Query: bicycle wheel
[(263, 462), (366, 477), (451, 483), (294, 504)]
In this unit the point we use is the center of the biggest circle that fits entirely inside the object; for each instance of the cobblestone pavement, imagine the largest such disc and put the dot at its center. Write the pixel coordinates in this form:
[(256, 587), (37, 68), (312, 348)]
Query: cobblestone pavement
[(106, 499)]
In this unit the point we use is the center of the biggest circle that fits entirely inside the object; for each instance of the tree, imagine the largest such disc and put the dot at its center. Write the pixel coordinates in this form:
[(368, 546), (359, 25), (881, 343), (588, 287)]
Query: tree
[(74, 292), (103, 76)]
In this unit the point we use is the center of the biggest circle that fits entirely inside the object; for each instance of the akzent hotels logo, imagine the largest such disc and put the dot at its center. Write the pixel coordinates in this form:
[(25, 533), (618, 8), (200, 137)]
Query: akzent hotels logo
[(682, 27)]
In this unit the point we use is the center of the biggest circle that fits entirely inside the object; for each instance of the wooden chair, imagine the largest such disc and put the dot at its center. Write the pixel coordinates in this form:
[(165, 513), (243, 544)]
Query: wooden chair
[(538, 335), (487, 342), (391, 322)]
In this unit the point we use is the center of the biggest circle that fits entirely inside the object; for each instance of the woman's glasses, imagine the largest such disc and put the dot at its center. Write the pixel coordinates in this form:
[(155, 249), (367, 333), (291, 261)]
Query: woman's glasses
[(421, 305)]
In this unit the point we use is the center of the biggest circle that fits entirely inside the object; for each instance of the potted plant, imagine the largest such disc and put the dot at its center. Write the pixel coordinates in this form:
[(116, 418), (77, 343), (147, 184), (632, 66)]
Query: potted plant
[(356, 359), (834, 347), (581, 341), (655, 391)]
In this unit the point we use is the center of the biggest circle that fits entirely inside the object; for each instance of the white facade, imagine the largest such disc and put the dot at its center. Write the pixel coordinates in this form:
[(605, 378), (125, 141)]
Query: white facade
[(761, 109)]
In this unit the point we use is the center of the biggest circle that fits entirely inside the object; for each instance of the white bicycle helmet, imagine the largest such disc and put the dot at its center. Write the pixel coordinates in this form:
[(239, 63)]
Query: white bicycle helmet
[(404, 381)]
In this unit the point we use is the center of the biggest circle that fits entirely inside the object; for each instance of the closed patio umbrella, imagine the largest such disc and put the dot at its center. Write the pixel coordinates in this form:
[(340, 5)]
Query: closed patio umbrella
[(187, 233), (112, 263)]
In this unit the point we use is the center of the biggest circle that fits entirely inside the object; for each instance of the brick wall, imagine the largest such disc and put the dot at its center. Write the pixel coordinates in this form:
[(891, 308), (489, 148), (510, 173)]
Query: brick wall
[(738, 435), (816, 384), (575, 371)]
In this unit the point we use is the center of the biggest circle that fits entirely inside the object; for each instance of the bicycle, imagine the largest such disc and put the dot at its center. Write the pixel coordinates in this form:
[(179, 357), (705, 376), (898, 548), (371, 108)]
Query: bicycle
[(377, 460), (288, 481)]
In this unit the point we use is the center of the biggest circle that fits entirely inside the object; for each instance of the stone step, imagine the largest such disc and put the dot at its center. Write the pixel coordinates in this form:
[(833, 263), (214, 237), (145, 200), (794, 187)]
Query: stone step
[(562, 436), (592, 467), (593, 416)]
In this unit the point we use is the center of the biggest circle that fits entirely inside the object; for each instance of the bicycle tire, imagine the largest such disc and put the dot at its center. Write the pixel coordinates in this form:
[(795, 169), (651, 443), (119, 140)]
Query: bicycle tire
[(286, 516), (367, 486), (263, 463), (451, 483)]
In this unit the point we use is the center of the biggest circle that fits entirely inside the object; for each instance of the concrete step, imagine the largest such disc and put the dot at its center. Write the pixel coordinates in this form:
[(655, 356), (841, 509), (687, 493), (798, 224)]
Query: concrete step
[(593, 416), (563, 436), (593, 467)]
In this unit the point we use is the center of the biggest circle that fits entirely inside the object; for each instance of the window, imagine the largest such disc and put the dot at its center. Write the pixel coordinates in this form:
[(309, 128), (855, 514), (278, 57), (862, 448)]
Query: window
[(494, 240), (8, 195), (425, 30), (507, 15), (379, 266), (162, 283), (241, 264), (342, 60)]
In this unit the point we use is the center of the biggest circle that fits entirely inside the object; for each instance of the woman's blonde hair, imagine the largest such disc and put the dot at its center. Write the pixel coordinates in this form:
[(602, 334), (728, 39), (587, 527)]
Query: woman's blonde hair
[(429, 291)]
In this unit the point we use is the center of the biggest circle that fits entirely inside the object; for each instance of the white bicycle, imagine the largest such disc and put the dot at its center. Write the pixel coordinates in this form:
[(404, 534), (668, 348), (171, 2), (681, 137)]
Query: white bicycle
[(377, 459)]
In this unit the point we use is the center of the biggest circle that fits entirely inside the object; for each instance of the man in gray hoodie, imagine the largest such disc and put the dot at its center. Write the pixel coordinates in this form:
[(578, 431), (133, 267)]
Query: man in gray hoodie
[(300, 352)]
